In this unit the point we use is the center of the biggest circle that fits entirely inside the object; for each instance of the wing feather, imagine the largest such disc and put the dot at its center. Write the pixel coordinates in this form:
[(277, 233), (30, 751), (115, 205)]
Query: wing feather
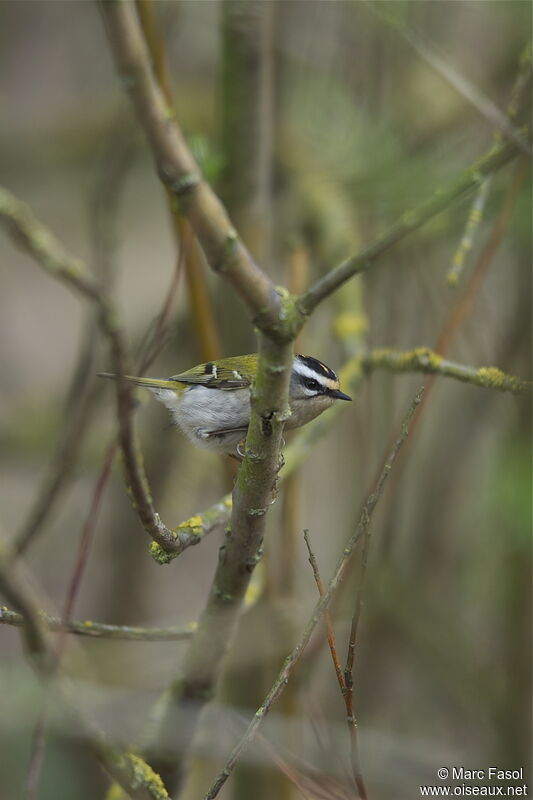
[(227, 374)]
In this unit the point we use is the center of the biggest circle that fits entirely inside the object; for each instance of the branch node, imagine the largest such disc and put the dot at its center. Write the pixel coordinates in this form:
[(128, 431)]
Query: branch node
[(229, 253), (184, 185), (266, 423), (222, 596), (253, 561), (256, 512), (159, 554)]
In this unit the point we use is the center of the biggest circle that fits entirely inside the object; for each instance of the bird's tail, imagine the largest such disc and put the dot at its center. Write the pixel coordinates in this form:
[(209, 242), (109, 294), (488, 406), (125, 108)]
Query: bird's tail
[(145, 383)]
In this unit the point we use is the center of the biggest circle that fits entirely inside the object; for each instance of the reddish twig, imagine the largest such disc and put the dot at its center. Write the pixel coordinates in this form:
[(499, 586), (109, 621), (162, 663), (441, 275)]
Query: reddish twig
[(327, 616)]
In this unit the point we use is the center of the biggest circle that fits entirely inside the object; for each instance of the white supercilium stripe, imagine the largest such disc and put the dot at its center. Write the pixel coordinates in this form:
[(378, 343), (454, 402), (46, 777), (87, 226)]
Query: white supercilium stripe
[(303, 370)]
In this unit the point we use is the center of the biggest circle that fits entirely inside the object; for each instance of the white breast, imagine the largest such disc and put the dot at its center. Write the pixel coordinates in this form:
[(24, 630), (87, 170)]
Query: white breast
[(200, 411)]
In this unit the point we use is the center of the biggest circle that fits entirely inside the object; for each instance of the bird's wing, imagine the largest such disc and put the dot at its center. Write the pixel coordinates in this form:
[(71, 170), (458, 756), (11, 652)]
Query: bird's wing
[(227, 374)]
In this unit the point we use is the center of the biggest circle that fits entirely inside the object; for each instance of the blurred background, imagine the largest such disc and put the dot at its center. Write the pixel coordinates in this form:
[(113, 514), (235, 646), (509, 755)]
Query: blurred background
[(319, 124)]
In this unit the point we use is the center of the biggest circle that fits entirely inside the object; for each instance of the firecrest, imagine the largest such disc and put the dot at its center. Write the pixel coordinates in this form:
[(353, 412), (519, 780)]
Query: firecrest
[(210, 403)]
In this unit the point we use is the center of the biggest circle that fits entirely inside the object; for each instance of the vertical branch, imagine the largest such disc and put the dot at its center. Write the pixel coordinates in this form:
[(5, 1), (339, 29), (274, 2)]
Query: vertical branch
[(348, 675), (238, 557), (246, 119)]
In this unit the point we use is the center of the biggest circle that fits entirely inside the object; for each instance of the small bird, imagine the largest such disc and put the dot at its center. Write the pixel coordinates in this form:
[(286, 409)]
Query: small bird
[(210, 403)]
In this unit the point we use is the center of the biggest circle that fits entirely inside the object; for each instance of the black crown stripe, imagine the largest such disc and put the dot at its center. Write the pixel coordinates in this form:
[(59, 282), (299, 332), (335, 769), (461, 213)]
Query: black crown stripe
[(318, 366)]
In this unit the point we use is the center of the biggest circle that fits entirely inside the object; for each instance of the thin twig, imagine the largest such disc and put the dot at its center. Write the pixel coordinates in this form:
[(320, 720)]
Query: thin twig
[(473, 221), (464, 305), (33, 629), (327, 615), (475, 213), (303, 776), (273, 314), (408, 222), (344, 678), (348, 672), (101, 630), (324, 602)]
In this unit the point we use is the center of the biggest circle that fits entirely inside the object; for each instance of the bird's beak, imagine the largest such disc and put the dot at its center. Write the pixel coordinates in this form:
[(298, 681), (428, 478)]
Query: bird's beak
[(338, 395)]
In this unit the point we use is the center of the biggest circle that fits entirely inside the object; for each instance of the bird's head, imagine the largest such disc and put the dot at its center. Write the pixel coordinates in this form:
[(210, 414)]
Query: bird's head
[(314, 383)]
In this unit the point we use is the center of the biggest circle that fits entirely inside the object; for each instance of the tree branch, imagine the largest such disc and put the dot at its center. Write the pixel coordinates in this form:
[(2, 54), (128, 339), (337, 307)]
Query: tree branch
[(343, 679), (327, 616), (475, 213), (193, 530), (101, 630), (422, 359), (408, 222)]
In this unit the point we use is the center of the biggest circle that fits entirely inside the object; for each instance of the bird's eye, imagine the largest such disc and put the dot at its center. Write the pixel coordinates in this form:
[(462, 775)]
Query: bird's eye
[(310, 383)]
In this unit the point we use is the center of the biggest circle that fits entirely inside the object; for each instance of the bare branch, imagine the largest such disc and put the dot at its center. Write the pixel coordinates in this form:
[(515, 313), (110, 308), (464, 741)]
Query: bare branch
[(473, 220), (475, 213), (194, 529), (408, 222), (327, 616), (101, 630), (344, 679), (323, 604), (422, 359), (33, 630)]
